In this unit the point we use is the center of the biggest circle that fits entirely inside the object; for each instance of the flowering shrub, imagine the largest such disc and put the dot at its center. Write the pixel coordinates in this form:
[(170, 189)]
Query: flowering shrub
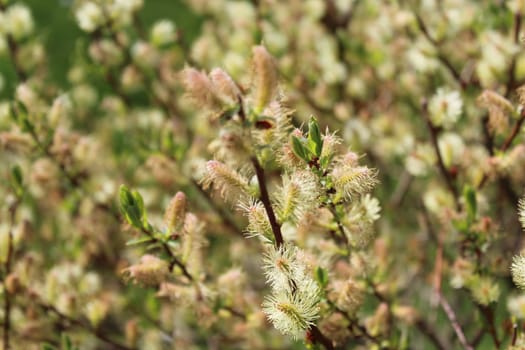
[(336, 174)]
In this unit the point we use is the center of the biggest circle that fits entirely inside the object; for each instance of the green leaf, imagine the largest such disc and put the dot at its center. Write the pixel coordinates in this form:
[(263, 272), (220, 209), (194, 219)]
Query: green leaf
[(48, 347), (27, 125), (140, 206), (140, 240), (299, 149), (17, 180), (66, 343), (325, 161), (321, 276), (469, 194), (315, 142), (131, 206)]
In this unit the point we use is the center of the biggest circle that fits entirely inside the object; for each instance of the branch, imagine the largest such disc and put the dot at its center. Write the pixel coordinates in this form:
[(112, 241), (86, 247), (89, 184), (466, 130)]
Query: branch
[(443, 169), (441, 57), (511, 82), (261, 179), (265, 199), (173, 259), (223, 214), (320, 338), (488, 313), (454, 321), (13, 52), (507, 143), (430, 334), (7, 267), (84, 325)]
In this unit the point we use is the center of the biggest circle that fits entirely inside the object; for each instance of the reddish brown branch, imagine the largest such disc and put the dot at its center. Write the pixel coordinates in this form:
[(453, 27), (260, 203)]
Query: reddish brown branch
[(454, 322), (488, 314), (320, 338), (265, 199)]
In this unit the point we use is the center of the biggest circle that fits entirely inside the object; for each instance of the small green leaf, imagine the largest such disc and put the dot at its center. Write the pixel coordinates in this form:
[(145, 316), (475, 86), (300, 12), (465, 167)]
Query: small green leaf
[(469, 194), (325, 161), (140, 240), (130, 206), (66, 343), (17, 180), (321, 276), (314, 137), (27, 125), (299, 149), (140, 206)]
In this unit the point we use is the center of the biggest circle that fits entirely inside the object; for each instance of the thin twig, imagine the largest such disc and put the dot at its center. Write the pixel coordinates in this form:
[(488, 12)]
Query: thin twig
[(265, 199), (438, 268), (454, 321), (234, 312), (319, 337), (7, 270), (488, 314), (511, 81), (174, 261), (84, 325), (441, 164), (401, 190), (13, 52), (353, 322), (426, 330), (441, 57), (514, 334), (507, 143), (223, 214)]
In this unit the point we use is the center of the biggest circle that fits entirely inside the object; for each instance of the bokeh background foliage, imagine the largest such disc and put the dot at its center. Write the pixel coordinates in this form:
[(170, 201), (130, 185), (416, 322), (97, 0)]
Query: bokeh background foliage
[(426, 93), (61, 36)]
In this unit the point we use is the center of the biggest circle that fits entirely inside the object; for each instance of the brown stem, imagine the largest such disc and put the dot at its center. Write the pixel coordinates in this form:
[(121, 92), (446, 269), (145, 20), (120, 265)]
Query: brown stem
[(13, 52), (261, 179), (320, 338), (7, 267), (234, 312), (340, 226), (84, 325), (430, 334), (443, 169), (441, 57), (507, 143), (401, 190), (488, 140), (511, 81), (265, 199), (174, 261), (488, 314), (223, 214), (514, 132), (354, 323), (514, 334), (454, 322)]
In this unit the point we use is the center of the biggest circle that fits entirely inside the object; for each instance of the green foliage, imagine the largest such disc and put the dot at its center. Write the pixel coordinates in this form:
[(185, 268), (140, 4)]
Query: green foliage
[(390, 220)]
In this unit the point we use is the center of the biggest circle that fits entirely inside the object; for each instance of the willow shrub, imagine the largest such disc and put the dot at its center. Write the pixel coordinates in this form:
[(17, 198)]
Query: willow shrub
[(324, 174)]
